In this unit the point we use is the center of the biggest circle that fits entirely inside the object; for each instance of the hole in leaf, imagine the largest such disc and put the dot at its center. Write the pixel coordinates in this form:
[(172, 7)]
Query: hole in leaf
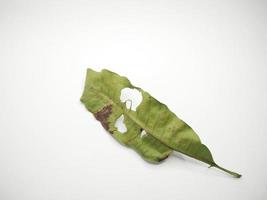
[(119, 124), (143, 133), (132, 97)]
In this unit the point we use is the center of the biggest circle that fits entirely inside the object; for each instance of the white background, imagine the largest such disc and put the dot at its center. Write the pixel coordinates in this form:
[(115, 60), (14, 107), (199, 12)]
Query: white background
[(205, 59)]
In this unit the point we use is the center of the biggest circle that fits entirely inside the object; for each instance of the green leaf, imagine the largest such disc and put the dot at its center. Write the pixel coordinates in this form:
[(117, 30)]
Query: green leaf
[(165, 131)]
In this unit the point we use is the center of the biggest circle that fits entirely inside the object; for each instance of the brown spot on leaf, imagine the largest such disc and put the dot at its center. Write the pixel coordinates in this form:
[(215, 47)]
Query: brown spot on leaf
[(103, 115), (161, 159)]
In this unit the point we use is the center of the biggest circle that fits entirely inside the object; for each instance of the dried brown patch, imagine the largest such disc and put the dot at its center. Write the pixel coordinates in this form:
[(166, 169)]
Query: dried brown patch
[(103, 115)]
